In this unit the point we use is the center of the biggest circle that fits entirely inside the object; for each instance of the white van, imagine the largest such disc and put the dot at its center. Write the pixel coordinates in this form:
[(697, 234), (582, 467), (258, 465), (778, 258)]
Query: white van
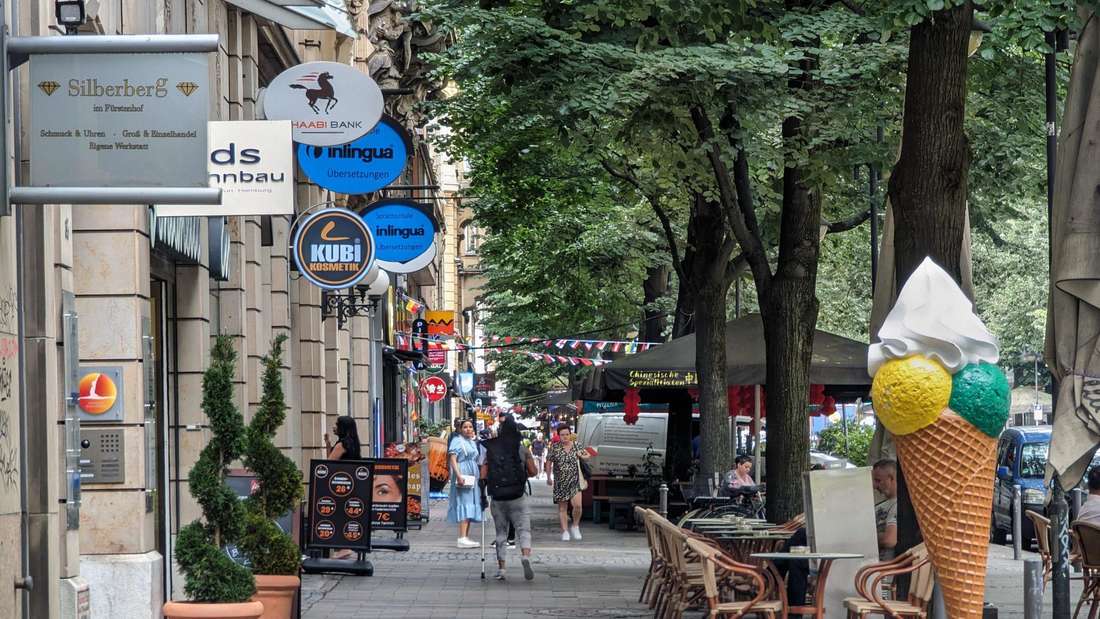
[(620, 446)]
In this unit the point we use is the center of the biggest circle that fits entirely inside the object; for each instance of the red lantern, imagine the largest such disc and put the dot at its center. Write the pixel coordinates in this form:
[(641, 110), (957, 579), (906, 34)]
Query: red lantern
[(694, 393), (828, 405), (631, 405)]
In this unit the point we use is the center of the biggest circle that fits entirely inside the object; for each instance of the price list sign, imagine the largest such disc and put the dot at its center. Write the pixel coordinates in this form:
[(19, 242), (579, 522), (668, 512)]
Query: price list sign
[(340, 494)]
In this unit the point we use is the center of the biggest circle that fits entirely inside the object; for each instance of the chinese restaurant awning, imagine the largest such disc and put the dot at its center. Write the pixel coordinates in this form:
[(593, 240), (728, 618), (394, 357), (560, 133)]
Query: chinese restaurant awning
[(838, 362)]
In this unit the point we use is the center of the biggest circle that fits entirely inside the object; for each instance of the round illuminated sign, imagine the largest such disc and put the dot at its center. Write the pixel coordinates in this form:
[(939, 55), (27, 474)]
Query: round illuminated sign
[(404, 233), (327, 103), (364, 165), (333, 249), (97, 393), (433, 388)]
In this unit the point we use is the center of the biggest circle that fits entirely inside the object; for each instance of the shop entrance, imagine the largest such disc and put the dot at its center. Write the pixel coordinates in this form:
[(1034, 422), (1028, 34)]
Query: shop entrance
[(157, 486)]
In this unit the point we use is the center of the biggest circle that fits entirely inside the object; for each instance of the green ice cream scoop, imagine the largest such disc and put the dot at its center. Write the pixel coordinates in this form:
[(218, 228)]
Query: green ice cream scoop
[(980, 394)]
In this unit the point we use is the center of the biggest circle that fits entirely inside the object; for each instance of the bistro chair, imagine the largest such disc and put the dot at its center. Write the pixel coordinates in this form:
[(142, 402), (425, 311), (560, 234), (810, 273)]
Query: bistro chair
[(870, 581), (793, 524), (683, 585), (1042, 541), (715, 562), (656, 574), (1088, 544)]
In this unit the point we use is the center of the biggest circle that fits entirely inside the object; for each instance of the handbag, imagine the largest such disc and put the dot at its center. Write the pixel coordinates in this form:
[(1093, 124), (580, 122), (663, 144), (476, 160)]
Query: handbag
[(585, 473), (466, 481)]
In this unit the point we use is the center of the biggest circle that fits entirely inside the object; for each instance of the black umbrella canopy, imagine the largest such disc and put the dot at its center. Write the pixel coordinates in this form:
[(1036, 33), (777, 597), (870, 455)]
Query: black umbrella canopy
[(837, 361)]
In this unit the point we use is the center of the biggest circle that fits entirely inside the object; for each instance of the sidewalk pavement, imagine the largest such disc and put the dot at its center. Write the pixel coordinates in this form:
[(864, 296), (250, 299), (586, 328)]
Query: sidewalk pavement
[(598, 576)]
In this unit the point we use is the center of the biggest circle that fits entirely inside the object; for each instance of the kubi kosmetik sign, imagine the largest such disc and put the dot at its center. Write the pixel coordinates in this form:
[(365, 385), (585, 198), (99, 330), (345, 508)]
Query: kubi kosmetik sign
[(327, 103), (253, 164), (364, 165), (119, 120), (333, 249)]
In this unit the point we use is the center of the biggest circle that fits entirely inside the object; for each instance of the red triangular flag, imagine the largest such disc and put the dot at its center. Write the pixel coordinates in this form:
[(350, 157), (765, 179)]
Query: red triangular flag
[(507, 339), (586, 361), (601, 344)]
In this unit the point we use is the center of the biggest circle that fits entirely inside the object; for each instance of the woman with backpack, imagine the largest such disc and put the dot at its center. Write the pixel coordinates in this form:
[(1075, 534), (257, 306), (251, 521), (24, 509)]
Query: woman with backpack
[(506, 465)]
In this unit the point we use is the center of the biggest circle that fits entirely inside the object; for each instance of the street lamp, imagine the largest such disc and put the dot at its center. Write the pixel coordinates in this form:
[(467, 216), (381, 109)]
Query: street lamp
[(69, 14)]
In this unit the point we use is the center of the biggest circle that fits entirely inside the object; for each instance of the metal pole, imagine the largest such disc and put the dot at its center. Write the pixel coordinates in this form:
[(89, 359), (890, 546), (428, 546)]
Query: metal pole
[(1059, 530), (1033, 589), (1078, 500), (756, 427), (662, 492), (1017, 522)]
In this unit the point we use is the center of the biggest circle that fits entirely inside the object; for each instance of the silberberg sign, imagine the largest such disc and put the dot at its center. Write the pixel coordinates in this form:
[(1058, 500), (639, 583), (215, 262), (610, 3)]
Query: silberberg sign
[(253, 164), (119, 120), (327, 103), (404, 232), (364, 165), (333, 249)]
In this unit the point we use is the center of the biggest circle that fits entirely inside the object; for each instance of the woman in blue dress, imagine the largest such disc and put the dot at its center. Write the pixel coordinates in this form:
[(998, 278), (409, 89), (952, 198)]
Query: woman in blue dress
[(465, 502)]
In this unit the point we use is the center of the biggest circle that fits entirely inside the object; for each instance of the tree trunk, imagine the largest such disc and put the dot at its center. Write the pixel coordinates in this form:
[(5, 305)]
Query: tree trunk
[(654, 288), (710, 287), (678, 454), (928, 188), (789, 308)]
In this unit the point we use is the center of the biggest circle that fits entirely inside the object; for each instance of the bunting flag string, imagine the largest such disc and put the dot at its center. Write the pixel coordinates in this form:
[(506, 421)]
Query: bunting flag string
[(406, 340)]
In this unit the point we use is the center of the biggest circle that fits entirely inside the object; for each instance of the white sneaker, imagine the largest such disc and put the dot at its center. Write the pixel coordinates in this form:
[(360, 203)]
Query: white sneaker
[(499, 575), (565, 536), (576, 531), (465, 542)]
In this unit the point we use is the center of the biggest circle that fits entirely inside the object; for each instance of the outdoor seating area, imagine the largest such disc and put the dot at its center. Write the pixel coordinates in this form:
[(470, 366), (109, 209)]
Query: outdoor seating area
[(731, 567)]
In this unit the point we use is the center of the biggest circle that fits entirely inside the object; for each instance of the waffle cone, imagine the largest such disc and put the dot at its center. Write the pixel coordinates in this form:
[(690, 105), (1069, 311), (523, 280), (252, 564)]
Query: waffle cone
[(949, 471)]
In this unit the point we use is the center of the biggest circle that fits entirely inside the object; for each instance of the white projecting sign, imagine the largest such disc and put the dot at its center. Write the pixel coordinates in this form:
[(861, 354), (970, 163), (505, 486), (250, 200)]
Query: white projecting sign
[(252, 161), (327, 103), (119, 120)]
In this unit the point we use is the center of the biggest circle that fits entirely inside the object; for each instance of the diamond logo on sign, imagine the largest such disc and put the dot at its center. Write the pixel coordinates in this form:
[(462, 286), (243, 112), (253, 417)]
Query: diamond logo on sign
[(327, 103), (187, 88), (49, 87)]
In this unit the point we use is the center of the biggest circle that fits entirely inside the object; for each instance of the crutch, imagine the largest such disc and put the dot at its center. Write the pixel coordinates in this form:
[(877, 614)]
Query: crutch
[(483, 537)]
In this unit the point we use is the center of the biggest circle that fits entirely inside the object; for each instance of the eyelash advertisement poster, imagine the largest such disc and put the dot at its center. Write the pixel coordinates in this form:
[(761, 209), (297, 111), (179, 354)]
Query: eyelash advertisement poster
[(388, 507)]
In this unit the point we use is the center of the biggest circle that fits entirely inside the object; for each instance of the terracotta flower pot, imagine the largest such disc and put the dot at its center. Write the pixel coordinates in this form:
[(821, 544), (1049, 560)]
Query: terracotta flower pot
[(194, 610), (277, 594)]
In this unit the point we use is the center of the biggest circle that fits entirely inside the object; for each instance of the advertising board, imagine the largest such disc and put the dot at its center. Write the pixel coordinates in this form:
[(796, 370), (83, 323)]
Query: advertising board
[(252, 162), (119, 120), (361, 166), (340, 493), (333, 249), (404, 233), (327, 103)]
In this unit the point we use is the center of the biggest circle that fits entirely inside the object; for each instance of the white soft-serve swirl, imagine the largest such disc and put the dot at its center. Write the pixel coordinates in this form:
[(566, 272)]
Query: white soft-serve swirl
[(932, 317)]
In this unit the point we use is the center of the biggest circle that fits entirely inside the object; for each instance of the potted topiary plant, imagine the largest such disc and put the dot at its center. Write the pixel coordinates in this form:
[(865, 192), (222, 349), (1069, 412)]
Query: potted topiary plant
[(272, 553), (218, 587)]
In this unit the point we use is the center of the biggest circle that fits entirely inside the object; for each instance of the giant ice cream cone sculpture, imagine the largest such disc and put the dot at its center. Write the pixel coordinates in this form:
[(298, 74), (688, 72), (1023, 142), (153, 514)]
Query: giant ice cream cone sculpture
[(937, 391)]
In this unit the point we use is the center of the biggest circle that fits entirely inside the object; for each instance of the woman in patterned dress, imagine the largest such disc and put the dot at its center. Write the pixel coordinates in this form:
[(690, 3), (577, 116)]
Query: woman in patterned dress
[(564, 474), (464, 505)]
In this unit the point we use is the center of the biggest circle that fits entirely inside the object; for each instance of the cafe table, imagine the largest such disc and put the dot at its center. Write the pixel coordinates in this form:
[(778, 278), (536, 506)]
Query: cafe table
[(825, 563)]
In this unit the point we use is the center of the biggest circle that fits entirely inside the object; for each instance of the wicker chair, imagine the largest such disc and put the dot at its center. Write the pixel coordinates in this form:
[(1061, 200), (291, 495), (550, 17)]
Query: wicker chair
[(1042, 541), (1088, 540), (764, 588), (654, 576), (682, 583), (869, 584)]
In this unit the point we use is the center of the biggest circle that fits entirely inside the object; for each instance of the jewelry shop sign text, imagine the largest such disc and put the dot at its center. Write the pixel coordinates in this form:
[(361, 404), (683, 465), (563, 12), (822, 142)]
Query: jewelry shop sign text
[(119, 120)]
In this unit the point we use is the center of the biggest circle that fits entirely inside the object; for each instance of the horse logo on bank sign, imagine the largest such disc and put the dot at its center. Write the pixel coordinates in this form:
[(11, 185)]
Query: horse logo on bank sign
[(324, 91)]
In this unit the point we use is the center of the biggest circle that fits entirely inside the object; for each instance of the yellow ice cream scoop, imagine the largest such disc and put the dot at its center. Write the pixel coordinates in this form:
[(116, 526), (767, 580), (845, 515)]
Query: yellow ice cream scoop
[(910, 393)]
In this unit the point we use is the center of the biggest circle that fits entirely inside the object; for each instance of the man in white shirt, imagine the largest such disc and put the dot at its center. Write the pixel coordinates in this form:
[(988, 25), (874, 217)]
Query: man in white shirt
[(1090, 509)]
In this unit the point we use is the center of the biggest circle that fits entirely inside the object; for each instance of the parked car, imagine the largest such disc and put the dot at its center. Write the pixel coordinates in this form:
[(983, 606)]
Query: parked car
[(1021, 459)]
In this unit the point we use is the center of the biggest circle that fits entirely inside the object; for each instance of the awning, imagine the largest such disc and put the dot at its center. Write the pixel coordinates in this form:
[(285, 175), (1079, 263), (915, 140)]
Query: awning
[(837, 361), (302, 14)]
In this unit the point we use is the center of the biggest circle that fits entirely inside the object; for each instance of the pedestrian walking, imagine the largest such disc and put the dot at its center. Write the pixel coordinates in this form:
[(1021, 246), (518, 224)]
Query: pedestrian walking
[(465, 503), (538, 450), (347, 447), (563, 472), (506, 465)]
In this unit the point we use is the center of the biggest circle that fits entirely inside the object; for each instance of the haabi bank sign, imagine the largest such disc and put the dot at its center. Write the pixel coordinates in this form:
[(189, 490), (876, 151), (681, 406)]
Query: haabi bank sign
[(327, 103)]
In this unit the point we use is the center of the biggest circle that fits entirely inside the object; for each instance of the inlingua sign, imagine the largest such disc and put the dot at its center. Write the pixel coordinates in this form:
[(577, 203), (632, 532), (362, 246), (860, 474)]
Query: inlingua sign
[(403, 231), (364, 165)]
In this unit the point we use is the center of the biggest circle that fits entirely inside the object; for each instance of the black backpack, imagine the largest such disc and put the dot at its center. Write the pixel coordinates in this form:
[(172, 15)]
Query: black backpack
[(507, 478)]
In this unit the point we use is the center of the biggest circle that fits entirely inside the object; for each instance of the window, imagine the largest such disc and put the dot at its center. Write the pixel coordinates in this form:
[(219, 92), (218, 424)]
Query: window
[(471, 238), (1033, 460)]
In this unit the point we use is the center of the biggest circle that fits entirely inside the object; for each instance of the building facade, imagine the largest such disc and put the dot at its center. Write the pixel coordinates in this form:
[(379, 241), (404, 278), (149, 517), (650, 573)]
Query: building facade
[(119, 289)]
